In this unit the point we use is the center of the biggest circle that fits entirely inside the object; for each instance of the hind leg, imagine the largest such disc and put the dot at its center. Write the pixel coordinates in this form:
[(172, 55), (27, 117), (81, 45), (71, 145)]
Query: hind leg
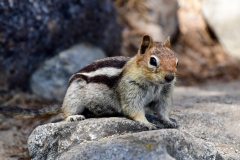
[(73, 105), (73, 113)]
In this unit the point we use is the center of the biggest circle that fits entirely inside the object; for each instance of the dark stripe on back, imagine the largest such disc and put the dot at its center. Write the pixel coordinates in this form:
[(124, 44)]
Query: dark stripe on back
[(109, 81), (116, 62), (78, 76)]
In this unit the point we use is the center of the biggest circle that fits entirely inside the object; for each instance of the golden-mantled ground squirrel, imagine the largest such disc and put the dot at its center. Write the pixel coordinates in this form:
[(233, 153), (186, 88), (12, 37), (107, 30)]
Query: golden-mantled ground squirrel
[(122, 85)]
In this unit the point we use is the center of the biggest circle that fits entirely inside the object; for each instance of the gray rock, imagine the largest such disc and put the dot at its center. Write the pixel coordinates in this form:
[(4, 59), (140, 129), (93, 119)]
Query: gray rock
[(223, 17), (103, 139), (51, 79), (32, 31)]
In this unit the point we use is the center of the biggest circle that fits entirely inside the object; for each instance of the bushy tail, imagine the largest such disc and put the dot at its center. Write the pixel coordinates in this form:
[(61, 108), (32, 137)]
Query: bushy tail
[(26, 113)]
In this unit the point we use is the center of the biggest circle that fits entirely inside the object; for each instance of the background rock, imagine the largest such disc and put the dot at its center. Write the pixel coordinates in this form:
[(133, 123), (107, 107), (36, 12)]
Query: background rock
[(201, 57), (32, 31), (224, 19), (143, 17), (51, 79), (164, 17)]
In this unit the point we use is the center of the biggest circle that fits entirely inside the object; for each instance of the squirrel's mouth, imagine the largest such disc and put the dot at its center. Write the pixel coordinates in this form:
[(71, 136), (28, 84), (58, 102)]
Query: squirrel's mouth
[(164, 82), (161, 82)]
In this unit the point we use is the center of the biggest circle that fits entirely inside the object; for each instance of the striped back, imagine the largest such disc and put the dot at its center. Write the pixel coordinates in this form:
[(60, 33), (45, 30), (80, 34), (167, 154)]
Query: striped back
[(105, 71)]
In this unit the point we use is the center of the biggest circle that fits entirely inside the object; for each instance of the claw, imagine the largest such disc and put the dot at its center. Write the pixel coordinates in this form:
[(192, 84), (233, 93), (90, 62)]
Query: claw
[(150, 126), (170, 124)]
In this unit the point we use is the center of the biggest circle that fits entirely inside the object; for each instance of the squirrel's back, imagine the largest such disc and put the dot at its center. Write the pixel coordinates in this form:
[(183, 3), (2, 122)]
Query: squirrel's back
[(93, 88), (106, 71)]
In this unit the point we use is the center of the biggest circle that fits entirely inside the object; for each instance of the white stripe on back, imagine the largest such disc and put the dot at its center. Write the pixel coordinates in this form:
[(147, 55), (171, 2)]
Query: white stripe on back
[(107, 71)]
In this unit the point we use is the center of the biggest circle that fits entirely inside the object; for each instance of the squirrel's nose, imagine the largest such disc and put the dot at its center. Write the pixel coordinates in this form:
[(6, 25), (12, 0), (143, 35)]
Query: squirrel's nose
[(169, 77)]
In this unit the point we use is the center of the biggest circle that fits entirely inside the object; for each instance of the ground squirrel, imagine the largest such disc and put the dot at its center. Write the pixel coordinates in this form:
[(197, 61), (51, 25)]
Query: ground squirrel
[(124, 85)]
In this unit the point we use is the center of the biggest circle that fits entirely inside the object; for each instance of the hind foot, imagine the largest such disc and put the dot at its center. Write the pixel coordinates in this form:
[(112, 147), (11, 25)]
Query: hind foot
[(75, 118)]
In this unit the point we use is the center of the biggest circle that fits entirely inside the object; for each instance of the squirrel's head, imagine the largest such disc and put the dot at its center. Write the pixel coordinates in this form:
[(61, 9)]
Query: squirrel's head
[(157, 61)]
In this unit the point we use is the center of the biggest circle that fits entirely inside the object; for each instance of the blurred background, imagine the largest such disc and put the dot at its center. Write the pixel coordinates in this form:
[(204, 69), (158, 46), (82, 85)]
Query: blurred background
[(42, 43)]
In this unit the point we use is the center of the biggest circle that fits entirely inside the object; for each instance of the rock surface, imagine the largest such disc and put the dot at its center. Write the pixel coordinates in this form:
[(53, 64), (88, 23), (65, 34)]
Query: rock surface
[(51, 79), (32, 31), (90, 140), (224, 19), (211, 113)]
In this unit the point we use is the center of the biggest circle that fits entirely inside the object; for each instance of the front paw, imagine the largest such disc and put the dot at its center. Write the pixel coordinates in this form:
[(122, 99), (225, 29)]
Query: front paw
[(152, 127), (170, 124), (149, 126)]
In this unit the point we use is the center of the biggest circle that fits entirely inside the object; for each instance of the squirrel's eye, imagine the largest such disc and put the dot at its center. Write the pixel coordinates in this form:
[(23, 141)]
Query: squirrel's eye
[(176, 63), (153, 61)]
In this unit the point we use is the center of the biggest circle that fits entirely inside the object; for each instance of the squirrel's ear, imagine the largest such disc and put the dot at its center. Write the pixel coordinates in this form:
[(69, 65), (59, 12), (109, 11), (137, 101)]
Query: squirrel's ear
[(146, 43), (167, 42)]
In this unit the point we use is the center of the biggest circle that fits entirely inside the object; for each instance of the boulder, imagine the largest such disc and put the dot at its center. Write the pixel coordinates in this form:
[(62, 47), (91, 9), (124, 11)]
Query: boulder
[(110, 138), (32, 31), (223, 18), (50, 80)]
